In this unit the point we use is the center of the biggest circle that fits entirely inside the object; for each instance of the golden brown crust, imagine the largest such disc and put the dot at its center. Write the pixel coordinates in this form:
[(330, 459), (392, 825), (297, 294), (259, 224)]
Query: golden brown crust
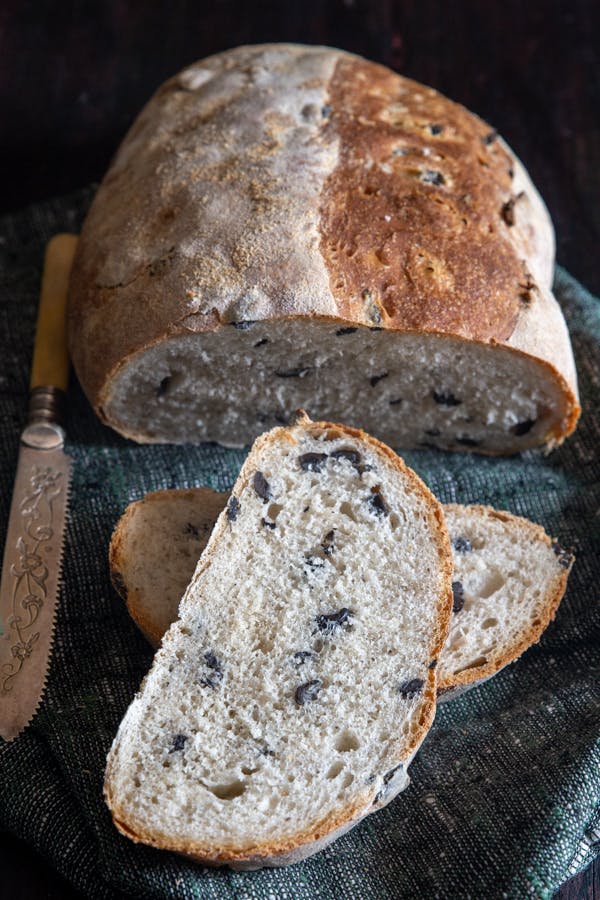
[(117, 557), (296, 847), (475, 674), (321, 833), (417, 237)]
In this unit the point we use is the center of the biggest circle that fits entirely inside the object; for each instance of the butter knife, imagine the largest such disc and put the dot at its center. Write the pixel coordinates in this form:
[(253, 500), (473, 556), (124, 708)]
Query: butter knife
[(29, 584)]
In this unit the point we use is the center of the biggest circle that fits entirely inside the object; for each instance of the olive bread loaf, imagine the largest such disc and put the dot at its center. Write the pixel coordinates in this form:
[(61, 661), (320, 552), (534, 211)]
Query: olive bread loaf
[(290, 226)]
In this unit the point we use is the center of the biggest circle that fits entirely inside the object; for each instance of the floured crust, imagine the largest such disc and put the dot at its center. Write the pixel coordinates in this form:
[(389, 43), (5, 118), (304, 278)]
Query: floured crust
[(209, 212), (275, 181), (305, 843), (455, 684)]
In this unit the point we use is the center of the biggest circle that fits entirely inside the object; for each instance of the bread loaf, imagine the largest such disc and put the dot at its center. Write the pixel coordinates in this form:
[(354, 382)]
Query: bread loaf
[(298, 682), (290, 226), (509, 577)]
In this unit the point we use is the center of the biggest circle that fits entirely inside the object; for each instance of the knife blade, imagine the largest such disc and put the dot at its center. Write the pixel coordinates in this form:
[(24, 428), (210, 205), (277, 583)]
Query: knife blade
[(29, 585)]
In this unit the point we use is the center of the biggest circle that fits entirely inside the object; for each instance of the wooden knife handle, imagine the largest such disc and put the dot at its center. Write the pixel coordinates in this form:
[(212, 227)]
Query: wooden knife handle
[(50, 366)]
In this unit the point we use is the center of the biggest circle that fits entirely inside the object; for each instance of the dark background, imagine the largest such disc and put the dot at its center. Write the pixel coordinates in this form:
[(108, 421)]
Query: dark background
[(74, 74)]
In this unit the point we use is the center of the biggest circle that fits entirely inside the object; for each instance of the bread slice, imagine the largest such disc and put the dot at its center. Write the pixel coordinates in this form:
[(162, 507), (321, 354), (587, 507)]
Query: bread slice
[(298, 682), (357, 244), (510, 577), (174, 527)]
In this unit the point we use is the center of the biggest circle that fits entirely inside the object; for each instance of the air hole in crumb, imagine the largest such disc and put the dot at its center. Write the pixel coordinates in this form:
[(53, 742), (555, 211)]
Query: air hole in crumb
[(168, 383), (163, 386), (492, 583), (265, 645), (273, 511), (394, 521), (456, 643), (480, 661), (347, 779), (489, 623), (335, 769), (346, 741), (228, 791), (347, 510), (248, 771)]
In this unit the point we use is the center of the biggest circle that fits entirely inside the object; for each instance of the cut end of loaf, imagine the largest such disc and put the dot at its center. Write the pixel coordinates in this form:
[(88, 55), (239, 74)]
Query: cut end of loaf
[(293, 691), (409, 390)]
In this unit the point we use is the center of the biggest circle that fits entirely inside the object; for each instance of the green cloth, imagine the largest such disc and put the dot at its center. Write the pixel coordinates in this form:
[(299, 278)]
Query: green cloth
[(504, 794)]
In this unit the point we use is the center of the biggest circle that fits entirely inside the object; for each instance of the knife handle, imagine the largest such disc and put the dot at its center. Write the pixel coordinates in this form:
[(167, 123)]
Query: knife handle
[(50, 366)]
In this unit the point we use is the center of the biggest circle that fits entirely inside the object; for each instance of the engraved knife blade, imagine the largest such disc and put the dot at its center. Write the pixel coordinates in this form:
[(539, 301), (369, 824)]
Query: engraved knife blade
[(29, 585), (30, 580)]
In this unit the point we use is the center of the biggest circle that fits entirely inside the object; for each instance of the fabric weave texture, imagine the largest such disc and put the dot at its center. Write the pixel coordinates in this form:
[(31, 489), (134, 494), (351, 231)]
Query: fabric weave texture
[(504, 793)]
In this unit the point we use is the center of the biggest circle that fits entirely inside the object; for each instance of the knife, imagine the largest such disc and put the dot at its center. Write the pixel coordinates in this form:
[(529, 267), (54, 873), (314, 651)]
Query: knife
[(29, 584)]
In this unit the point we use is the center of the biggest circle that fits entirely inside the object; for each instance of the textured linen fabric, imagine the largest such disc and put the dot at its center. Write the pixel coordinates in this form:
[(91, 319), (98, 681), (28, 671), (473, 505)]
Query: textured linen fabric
[(504, 793)]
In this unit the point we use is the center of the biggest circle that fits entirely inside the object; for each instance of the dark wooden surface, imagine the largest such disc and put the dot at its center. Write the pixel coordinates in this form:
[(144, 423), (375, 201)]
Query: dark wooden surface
[(74, 74)]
